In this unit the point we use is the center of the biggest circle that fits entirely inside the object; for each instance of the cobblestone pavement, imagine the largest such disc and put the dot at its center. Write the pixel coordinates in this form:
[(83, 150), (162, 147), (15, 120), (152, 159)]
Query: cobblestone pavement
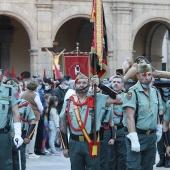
[(49, 162)]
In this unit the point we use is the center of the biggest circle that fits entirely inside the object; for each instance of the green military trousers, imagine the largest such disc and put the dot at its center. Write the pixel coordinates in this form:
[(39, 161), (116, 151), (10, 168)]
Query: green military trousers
[(80, 157), (145, 159), (104, 150), (117, 159), (15, 156), (5, 151)]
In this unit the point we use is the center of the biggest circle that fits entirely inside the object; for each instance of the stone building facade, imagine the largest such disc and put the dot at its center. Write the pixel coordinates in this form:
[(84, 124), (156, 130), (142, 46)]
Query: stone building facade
[(134, 27)]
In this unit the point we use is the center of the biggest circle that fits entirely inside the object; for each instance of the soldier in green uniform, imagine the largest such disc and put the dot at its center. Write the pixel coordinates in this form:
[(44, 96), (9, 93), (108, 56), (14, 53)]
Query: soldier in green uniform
[(105, 137), (8, 109), (164, 159), (166, 132), (105, 133), (27, 117), (141, 115), (117, 159), (78, 112), (160, 145)]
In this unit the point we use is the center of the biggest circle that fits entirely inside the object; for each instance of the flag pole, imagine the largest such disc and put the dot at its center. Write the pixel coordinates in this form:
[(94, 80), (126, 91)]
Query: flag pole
[(97, 50), (95, 101)]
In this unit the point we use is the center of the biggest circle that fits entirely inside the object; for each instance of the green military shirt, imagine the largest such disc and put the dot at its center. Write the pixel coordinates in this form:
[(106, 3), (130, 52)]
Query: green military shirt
[(167, 112), (101, 102), (108, 114), (118, 110), (4, 102), (147, 106), (27, 113), (160, 101)]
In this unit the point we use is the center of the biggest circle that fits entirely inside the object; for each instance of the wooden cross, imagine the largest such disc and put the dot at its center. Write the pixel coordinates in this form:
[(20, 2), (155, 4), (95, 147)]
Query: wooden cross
[(54, 49)]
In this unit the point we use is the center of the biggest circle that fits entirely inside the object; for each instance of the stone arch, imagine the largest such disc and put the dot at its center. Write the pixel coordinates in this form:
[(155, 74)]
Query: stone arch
[(67, 14), (23, 17), (147, 17), (74, 12), (156, 34), (159, 23)]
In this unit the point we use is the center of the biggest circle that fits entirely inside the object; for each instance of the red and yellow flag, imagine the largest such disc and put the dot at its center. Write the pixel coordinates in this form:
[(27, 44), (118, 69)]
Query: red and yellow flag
[(99, 42)]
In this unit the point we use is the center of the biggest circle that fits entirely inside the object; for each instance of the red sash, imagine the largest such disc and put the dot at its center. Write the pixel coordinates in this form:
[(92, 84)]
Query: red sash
[(93, 149)]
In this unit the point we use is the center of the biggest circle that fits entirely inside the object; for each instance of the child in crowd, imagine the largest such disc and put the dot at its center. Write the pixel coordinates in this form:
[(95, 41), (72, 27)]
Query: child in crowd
[(46, 126), (53, 118)]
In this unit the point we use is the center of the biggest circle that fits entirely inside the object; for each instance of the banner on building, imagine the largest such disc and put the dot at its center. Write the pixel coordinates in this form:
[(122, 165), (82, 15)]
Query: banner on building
[(75, 63)]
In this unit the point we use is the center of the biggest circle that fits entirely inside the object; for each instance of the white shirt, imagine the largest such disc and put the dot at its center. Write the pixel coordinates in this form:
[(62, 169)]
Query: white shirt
[(38, 102)]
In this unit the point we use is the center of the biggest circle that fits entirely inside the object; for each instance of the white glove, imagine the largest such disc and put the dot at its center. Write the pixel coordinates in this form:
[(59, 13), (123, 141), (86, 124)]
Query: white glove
[(18, 141), (135, 145), (159, 132)]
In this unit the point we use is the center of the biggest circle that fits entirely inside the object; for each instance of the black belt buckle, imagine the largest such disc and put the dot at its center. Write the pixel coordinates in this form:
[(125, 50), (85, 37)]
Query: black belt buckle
[(148, 132), (81, 138)]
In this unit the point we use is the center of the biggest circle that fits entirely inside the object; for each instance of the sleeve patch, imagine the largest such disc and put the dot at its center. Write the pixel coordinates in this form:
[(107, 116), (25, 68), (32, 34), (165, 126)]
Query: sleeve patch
[(129, 95)]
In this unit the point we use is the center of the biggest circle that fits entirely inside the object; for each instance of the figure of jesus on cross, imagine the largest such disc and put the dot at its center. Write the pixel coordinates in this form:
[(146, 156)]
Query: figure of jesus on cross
[(55, 54)]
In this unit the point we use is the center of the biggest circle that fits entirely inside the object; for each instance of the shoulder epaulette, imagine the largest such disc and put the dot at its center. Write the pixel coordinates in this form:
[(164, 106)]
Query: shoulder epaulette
[(133, 87)]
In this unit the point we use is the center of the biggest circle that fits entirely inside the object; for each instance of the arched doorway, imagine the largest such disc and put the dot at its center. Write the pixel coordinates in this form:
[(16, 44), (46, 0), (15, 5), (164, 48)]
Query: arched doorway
[(75, 30), (149, 42), (14, 45)]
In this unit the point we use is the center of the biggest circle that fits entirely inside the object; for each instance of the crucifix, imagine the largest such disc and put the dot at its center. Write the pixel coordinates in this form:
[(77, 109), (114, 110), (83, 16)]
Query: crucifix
[(55, 48), (53, 51)]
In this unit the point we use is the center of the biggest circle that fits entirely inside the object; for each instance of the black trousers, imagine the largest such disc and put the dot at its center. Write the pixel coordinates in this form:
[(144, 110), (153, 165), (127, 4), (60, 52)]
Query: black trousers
[(39, 137)]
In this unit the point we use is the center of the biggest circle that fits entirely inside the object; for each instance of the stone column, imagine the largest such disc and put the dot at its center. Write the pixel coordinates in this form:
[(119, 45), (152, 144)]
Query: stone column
[(33, 62), (44, 17), (168, 54), (122, 23), (110, 71)]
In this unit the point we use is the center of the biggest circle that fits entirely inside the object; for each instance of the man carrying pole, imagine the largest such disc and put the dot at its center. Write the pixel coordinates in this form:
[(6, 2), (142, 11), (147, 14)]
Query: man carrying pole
[(83, 113), (78, 114)]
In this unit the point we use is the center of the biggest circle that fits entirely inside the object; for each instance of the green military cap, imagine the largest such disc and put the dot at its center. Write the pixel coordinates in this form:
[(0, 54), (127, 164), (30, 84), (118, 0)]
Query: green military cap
[(143, 68), (81, 76)]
